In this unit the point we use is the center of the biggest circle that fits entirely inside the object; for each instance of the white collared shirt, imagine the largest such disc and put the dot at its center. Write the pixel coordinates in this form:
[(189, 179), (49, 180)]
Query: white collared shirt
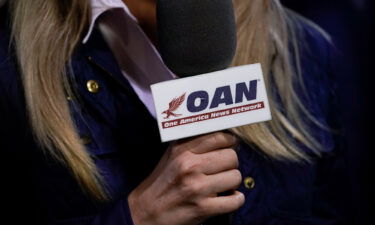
[(139, 60)]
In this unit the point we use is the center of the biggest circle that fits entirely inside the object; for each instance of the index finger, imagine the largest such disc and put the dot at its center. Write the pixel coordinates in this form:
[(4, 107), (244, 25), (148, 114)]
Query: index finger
[(209, 142)]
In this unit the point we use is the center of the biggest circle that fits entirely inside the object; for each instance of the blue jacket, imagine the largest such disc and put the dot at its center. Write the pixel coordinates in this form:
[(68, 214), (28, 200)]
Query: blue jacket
[(124, 139)]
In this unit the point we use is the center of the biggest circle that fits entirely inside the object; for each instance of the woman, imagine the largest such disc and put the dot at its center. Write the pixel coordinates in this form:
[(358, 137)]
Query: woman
[(87, 150)]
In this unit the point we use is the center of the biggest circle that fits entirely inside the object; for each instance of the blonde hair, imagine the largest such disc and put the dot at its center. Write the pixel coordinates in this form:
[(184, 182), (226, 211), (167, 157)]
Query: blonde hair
[(270, 34), (46, 33)]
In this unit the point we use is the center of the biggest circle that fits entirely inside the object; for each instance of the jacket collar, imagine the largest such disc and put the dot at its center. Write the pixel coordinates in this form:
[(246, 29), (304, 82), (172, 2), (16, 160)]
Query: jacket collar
[(98, 53), (98, 7)]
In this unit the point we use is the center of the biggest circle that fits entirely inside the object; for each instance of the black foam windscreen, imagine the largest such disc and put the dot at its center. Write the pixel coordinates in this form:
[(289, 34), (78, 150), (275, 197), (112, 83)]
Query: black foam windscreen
[(196, 36)]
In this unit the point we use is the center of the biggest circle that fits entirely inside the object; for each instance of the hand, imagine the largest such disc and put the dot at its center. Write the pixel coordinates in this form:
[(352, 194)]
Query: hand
[(183, 189)]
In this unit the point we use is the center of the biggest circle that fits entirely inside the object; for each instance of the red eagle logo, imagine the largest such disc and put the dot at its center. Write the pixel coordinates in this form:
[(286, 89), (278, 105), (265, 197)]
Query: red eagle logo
[(173, 106)]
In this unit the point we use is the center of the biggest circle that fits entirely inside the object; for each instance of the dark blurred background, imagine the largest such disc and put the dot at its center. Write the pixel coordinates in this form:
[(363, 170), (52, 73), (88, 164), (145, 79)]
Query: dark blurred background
[(351, 26)]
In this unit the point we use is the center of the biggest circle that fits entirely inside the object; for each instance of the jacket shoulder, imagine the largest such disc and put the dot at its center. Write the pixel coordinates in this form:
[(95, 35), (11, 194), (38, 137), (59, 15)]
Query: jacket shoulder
[(320, 70), (315, 44)]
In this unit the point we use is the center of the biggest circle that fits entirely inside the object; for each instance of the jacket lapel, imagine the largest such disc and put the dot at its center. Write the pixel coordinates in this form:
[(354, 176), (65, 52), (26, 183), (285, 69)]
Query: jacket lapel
[(97, 52)]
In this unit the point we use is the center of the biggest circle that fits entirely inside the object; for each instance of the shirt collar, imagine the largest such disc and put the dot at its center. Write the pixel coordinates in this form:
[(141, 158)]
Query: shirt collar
[(98, 7)]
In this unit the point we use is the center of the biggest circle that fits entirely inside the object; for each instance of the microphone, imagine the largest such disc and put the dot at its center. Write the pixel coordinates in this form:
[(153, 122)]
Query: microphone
[(196, 36), (197, 42)]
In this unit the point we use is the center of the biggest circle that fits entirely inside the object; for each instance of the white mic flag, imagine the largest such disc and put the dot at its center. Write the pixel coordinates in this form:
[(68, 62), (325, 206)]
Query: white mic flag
[(211, 102)]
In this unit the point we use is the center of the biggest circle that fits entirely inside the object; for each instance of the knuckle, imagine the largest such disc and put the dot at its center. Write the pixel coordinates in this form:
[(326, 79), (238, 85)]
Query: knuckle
[(191, 187), (180, 149), (176, 150), (187, 165), (201, 209), (217, 138), (181, 167), (220, 137), (196, 188)]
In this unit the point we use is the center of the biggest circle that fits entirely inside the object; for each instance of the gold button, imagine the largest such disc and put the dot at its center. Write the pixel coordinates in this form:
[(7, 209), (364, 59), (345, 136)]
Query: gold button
[(92, 86), (69, 98), (249, 182)]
